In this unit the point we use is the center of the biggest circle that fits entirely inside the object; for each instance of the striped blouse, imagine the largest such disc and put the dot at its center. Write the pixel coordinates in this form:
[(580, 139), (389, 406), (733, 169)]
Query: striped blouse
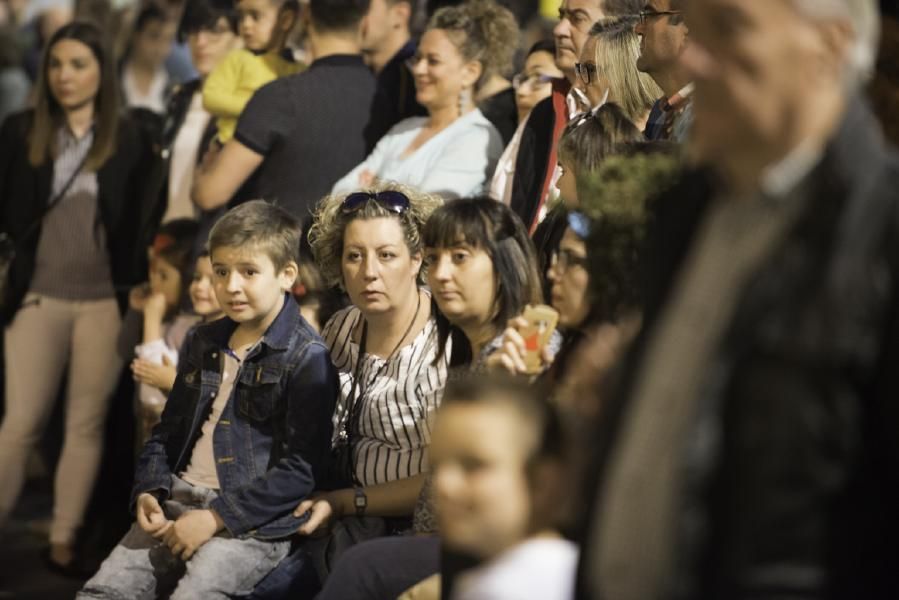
[(398, 400)]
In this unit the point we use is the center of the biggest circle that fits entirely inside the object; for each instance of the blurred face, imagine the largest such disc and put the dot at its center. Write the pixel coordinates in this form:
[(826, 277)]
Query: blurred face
[(209, 46), (154, 42), (248, 287), (567, 185), (166, 280), (661, 41), (532, 88), (202, 289), (592, 80), (757, 67), (463, 283), (569, 277), (576, 17), (440, 71), (379, 273), (481, 489), (73, 74), (258, 24)]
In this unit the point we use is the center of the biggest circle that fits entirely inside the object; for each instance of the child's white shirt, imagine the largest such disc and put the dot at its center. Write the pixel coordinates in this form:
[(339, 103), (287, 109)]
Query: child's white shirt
[(538, 569)]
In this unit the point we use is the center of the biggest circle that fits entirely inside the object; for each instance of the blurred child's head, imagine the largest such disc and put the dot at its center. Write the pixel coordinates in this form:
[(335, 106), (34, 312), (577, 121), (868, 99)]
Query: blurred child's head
[(154, 33), (265, 24), (170, 260), (202, 289), (253, 248), (497, 460), (585, 143)]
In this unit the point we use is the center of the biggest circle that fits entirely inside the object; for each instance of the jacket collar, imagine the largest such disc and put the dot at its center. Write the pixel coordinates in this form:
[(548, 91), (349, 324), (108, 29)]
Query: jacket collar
[(277, 336)]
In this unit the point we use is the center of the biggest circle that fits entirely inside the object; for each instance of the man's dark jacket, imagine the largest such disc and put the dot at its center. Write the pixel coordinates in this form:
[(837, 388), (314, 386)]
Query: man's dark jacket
[(795, 495)]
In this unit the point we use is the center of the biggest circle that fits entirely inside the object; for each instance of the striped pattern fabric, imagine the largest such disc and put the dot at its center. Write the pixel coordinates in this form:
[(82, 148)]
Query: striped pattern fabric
[(397, 402)]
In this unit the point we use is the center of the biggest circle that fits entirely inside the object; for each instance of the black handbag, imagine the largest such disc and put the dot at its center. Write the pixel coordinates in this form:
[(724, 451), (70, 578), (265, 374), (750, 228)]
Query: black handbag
[(9, 246)]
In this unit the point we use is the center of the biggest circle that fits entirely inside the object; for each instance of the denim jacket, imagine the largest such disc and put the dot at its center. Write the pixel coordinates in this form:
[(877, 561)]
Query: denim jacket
[(273, 439)]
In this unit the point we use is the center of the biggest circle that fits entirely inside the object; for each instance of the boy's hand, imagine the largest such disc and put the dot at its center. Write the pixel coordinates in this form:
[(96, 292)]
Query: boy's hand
[(323, 508), (191, 530), (161, 376), (150, 516)]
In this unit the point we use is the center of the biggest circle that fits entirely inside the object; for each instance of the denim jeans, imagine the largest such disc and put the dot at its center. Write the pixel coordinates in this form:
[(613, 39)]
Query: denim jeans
[(143, 567)]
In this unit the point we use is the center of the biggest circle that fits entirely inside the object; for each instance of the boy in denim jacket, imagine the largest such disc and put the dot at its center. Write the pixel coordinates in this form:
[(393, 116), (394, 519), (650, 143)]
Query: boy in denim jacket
[(245, 432)]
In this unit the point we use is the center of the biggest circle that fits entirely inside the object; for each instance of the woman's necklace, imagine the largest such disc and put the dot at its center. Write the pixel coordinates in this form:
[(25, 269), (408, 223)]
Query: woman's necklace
[(360, 359)]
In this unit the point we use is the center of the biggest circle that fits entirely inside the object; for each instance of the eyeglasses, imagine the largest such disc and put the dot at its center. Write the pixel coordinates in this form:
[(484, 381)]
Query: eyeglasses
[(563, 260), (645, 15), (532, 81), (587, 72), (396, 202)]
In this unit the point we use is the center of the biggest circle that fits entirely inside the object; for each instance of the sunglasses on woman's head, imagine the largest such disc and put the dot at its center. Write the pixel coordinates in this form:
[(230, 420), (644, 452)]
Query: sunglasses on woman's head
[(396, 202)]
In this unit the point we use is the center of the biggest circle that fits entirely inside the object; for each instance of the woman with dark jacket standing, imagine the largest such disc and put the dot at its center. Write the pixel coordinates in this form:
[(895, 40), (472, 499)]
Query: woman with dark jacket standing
[(70, 193)]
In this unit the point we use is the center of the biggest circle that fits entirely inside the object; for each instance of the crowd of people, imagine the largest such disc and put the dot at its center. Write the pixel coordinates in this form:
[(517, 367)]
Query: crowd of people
[(403, 299)]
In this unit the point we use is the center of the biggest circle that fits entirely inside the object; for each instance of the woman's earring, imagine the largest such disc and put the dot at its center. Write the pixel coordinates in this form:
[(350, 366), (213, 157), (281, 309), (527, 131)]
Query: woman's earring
[(464, 100)]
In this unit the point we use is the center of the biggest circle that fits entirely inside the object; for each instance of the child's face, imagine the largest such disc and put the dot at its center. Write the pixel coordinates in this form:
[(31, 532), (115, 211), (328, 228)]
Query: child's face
[(248, 287), (258, 24), (567, 185), (202, 290), (481, 490), (166, 280)]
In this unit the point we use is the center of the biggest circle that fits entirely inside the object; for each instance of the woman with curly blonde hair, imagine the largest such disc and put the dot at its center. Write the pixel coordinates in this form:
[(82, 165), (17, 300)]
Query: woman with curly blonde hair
[(385, 349)]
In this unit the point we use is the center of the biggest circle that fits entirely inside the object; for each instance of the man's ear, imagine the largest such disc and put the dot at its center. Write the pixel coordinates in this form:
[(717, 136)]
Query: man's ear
[(401, 13), (837, 39)]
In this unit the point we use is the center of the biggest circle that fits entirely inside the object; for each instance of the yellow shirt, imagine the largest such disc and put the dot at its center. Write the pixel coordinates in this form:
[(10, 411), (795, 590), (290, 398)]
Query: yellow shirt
[(231, 84)]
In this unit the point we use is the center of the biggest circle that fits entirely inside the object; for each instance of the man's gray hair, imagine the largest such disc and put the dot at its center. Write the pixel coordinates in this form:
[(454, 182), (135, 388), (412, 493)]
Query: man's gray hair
[(864, 15)]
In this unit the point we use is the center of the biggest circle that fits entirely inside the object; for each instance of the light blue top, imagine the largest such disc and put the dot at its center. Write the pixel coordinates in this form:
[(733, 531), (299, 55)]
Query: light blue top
[(456, 162)]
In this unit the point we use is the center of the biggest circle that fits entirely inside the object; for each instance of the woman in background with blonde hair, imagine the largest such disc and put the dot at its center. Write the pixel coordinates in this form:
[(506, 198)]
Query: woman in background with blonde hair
[(607, 71)]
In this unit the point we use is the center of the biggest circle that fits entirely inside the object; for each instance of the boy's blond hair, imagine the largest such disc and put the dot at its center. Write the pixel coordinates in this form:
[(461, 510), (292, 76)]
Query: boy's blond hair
[(259, 226)]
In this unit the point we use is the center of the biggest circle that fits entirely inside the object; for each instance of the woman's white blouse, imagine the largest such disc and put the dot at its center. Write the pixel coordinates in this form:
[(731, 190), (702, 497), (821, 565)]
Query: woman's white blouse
[(398, 399), (459, 161)]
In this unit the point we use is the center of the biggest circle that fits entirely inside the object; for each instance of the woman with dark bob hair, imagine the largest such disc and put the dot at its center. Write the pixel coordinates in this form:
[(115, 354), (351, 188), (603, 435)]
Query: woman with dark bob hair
[(70, 204), (482, 270)]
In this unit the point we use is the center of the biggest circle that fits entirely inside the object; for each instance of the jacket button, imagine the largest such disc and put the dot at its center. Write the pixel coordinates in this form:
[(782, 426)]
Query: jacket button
[(212, 395), (215, 355)]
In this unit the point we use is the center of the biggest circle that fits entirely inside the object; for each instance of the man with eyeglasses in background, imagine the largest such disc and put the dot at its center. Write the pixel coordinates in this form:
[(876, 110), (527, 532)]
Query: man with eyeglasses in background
[(536, 162), (663, 38)]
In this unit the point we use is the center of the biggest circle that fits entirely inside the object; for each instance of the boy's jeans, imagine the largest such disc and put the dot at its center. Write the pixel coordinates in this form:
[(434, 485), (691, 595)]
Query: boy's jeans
[(141, 566)]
